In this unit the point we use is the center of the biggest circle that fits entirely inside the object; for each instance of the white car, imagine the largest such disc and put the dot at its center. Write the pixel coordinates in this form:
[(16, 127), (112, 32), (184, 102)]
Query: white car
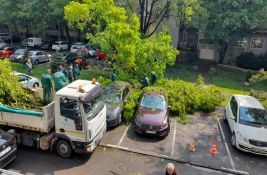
[(60, 45), (27, 81), (247, 120), (76, 47)]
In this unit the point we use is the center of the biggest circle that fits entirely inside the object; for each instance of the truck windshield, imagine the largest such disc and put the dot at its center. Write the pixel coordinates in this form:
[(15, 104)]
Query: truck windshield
[(93, 107), (252, 116)]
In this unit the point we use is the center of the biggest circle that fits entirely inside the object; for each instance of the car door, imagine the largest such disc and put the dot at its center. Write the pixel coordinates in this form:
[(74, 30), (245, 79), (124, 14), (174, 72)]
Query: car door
[(24, 80), (45, 57), (231, 113)]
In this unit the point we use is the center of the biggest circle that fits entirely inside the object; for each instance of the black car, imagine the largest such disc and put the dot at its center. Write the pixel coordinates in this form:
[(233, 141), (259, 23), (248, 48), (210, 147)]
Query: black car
[(15, 39), (8, 148), (19, 55), (47, 45), (115, 95)]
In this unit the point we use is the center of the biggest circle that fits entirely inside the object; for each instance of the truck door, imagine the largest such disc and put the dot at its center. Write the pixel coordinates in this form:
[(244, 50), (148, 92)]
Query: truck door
[(70, 122), (95, 114)]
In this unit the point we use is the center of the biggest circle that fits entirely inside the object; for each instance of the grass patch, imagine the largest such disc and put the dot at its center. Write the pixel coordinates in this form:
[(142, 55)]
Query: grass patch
[(229, 79), (38, 70), (183, 72)]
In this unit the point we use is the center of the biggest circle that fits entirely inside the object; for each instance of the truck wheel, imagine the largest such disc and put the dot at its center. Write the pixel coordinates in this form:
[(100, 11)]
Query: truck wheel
[(64, 149)]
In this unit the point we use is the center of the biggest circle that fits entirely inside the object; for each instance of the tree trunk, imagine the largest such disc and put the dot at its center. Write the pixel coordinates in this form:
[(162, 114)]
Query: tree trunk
[(10, 32), (67, 32), (222, 53)]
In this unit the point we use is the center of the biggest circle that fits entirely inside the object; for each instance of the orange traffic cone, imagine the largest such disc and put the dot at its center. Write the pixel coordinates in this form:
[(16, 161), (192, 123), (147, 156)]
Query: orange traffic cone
[(213, 149), (192, 147)]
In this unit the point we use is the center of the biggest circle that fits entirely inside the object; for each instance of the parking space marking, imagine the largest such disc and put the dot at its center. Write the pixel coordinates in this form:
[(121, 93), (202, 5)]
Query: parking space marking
[(124, 134), (173, 139), (226, 145)]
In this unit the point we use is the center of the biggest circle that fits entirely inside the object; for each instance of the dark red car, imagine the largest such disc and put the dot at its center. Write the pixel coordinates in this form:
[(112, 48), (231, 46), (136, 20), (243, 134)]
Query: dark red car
[(152, 115), (6, 52)]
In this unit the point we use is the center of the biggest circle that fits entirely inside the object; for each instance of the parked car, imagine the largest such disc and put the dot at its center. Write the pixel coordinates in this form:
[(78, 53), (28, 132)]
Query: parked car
[(15, 39), (247, 120), (152, 115), (27, 81), (47, 45), (3, 44), (39, 56), (60, 45), (34, 42), (76, 47), (8, 148), (4, 36), (19, 55), (6, 52), (59, 58), (115, 95)]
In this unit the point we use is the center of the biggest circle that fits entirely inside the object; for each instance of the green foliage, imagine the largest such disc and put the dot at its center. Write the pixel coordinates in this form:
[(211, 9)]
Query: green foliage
[(229, 21), (11, 91), (103, 77), (117, 33), (258, 81), (251, 61), (131, 106)]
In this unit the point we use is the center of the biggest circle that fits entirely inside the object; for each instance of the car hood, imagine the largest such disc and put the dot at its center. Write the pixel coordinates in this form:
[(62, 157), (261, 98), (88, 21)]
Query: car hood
[(111, 109), (253, 132), (152, 117)]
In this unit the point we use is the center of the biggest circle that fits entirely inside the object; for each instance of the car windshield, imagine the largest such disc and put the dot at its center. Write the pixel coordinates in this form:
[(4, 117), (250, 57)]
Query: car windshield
[(93, 107), (153, 102), (19, 51), (112, 95), (252, 116)]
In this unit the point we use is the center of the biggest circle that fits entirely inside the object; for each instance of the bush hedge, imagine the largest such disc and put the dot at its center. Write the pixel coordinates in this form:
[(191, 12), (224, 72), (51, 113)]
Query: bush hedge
[(183, 98), (250, 61)]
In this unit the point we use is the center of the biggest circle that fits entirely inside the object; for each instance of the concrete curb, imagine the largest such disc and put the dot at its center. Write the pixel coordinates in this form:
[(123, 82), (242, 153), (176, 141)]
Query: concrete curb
[(166, 157)]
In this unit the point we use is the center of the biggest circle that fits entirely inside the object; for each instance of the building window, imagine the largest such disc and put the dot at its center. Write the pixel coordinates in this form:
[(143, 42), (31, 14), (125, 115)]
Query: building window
[(256, 43)]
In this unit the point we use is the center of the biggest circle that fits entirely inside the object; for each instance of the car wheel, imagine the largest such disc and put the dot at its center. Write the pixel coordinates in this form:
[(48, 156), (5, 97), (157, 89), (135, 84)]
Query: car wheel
[(36, 62), (63, 149), (233, 140), (35, 85)]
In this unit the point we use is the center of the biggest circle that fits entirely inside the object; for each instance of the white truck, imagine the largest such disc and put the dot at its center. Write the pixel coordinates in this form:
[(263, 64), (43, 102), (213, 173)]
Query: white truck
[(74, 122), (34, 42)]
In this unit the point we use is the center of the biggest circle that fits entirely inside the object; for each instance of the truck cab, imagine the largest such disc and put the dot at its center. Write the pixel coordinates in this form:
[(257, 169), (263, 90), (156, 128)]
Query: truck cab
[(80, 117)]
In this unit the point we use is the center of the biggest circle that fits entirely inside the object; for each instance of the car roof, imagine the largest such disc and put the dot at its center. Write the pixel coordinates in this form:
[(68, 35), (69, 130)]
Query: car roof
[(248, 101)]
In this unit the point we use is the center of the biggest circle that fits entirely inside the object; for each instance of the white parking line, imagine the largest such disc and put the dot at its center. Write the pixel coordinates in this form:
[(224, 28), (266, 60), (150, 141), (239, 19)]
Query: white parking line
[(226, 145), (124, 134), (173, 138)]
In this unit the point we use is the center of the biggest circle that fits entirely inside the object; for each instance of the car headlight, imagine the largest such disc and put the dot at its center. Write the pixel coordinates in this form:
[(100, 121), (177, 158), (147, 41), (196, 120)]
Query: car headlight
[(138, 121), (165, 120), (241, 137)]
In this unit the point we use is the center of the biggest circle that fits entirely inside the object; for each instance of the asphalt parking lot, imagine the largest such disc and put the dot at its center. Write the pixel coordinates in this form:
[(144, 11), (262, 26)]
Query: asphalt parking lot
[(122, 151)]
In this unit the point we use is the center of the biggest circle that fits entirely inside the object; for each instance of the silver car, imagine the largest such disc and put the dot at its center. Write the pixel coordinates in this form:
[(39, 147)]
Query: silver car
[(27, 81), (39, 56)]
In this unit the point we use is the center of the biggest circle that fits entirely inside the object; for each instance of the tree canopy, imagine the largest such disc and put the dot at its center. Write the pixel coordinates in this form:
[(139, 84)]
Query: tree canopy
[(230, 20), (118, 34)]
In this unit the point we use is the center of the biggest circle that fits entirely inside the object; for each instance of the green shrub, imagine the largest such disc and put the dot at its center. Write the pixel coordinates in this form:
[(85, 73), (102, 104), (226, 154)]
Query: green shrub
[(251, 61), (131, 106), (103, 77), (12, 92)]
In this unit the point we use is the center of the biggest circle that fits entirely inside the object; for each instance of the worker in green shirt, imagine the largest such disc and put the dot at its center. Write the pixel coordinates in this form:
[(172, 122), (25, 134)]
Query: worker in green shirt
[(114, 76), (60, 78), (145, 81), (47, 86), (154, 77), (76, 71)]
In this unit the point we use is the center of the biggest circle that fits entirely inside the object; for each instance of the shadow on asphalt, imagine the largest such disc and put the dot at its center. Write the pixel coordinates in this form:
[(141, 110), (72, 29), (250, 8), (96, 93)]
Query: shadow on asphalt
[(29, 161)]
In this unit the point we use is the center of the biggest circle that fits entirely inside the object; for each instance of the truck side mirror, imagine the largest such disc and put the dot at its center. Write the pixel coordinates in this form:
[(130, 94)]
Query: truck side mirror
[(78, 122)]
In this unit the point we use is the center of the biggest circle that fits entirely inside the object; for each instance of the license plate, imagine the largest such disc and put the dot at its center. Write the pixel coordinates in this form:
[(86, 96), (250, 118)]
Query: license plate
[(150, 132), (2, 153), (256, 149)]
